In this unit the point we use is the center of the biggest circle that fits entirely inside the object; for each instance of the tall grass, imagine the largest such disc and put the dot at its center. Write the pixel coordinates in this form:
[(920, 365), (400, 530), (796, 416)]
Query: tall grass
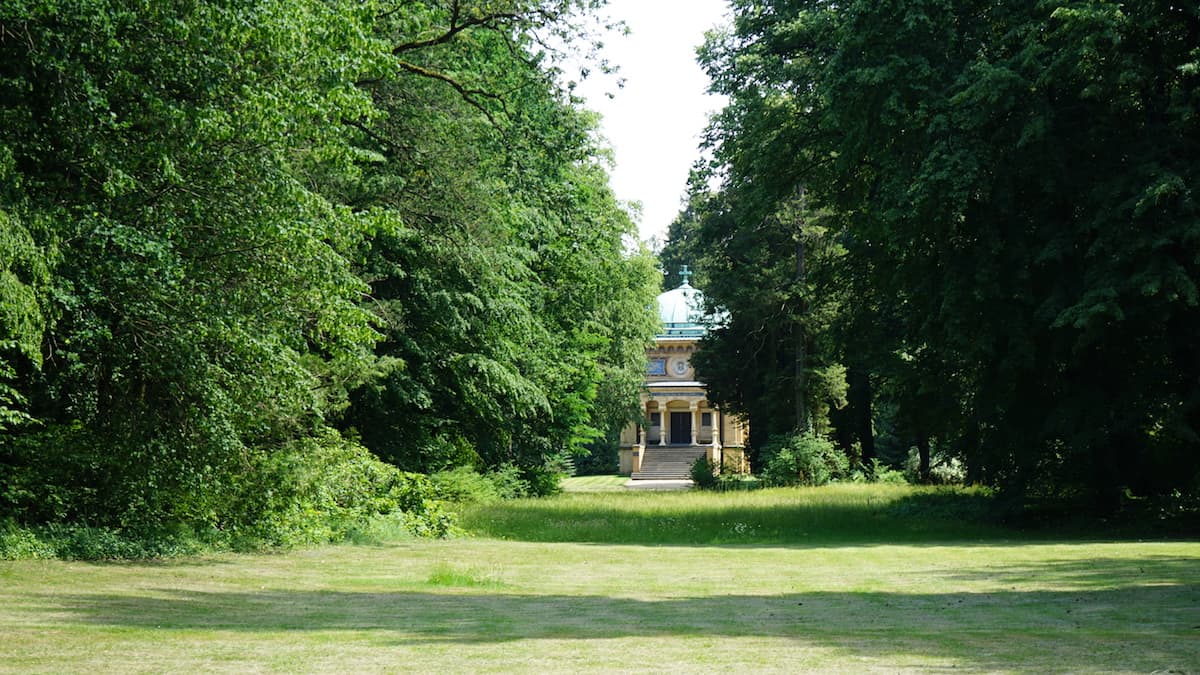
[(830, 514)]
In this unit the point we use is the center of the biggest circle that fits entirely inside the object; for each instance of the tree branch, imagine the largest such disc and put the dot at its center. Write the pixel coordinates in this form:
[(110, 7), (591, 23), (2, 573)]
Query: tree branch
[(456, 27), (468, 95)]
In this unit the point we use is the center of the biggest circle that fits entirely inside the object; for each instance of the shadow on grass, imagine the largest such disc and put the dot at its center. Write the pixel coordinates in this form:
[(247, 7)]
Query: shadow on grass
[(1148, 626), (1092, 574)]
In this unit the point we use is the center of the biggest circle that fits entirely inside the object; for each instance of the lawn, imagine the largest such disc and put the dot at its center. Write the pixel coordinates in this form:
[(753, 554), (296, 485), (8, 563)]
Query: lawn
[(594, 483), (716, 596)]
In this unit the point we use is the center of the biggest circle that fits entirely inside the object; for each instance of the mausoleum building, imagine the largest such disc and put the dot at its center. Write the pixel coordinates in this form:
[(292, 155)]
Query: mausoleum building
[(679, 424)]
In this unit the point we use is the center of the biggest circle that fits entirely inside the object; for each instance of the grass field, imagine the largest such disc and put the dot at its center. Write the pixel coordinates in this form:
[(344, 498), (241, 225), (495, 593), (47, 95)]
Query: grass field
[(594, 483), (842, 579)]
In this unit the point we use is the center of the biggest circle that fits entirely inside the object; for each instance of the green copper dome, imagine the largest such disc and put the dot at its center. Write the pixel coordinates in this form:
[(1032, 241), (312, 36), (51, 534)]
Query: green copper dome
[(681, 310)]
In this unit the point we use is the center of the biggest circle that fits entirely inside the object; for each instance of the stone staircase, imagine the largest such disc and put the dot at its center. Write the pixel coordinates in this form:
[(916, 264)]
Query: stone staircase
[(670, 462)]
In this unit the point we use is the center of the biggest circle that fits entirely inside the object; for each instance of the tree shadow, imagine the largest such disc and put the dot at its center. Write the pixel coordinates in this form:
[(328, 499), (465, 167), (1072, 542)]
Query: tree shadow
[(1155, 624), (1092, 574)]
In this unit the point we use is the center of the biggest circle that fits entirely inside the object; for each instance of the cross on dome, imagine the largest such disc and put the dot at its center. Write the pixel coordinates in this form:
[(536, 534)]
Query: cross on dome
[(684, 273)]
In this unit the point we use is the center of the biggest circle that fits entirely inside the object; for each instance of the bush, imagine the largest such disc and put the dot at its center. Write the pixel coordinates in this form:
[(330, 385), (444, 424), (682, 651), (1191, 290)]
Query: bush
[(17, 543), (543, 481), (807, 459), (80, 542), (603, 457), (943, 469), (332, 487), (465, 485), (704, 473), (882, 473), (508, 482), (311, 491)]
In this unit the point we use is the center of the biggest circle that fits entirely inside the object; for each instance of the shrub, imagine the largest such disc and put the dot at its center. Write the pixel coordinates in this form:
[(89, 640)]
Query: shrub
[(18, 543), (807, 459), (603, 457), (333, 487), (882, 473), (704, 473), (465, 485), (943, 469), (543, 481), (81, 542), (312, 490), (306, 490), (508, 482)]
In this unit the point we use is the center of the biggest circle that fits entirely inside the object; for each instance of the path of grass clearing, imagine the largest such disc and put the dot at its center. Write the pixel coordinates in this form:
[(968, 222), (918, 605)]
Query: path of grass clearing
[(594, 483), (488, 605)]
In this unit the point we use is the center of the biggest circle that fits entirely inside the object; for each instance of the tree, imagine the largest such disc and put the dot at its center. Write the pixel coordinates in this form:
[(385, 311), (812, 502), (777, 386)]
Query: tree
[(497, 264), (229, 229), (1014, 180), (768, 358), (24, 278), (201, 298)]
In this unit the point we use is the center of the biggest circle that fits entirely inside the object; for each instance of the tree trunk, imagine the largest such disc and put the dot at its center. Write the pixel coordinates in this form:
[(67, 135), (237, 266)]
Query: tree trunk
[(923, 457), (801, 363), (1106, 473), (861, 396)]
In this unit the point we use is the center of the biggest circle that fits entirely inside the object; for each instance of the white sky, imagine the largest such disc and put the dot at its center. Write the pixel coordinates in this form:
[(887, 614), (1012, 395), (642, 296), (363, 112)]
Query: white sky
[(654, 123)]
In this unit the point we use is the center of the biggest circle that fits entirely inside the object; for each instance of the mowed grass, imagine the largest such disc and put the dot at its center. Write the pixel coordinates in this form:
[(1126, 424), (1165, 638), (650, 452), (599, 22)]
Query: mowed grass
[(594, 483), (575, 595)]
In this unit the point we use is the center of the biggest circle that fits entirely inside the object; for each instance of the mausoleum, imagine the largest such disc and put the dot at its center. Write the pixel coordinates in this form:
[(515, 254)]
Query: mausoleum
[(679, 424)]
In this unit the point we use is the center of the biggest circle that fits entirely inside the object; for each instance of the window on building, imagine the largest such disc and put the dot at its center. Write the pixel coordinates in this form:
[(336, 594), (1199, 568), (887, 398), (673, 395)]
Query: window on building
[(706, 419), (655, 419)]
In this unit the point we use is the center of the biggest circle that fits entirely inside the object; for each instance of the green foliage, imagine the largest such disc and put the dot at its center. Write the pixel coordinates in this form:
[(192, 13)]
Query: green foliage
[(807, 459), (202, 315), (17, 543), (543, 481), (509, 483), (772, 300), (317, 492), (226, 231), (882, 473), (602, 458), (338, 486), (24, 277), (312, 491), (497, 256), (944, 469), (1013, 188), (704, 473), (464, 485), (80, 542)]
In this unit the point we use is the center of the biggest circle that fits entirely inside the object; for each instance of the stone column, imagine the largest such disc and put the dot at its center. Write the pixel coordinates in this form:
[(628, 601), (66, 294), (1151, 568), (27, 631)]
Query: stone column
[(663, 423), (715, 449), (695, 422), (715, 415)]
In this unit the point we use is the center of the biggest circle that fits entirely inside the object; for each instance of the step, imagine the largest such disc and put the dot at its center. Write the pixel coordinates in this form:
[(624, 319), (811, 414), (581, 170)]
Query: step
[(669, 462)]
